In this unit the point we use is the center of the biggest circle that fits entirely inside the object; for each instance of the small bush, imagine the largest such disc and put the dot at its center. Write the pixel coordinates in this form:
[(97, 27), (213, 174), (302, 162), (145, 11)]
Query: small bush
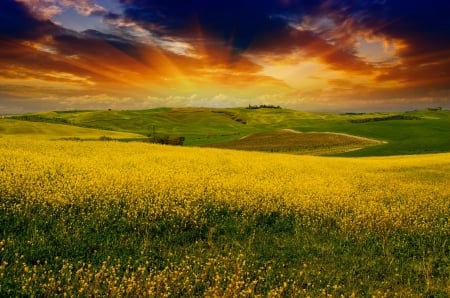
[(105, 138), (177, 141), (167, 140), (250, 107)]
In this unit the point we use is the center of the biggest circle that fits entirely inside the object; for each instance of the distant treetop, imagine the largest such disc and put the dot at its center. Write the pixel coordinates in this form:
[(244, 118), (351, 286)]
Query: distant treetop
[(263, 107)]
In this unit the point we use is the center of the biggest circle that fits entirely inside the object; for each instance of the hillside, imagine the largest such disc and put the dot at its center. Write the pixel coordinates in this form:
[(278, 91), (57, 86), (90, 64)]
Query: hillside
[(291, 141), (42, 130), (415, 132)]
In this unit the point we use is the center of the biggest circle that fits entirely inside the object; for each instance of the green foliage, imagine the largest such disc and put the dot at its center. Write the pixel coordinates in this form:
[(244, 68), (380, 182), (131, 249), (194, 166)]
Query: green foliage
[(166, 140), (255, 107), (386, 118)]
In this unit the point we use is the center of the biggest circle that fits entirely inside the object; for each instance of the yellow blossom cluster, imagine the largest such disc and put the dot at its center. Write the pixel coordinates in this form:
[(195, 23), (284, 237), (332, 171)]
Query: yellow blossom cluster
[(409, 192), (370, 196)]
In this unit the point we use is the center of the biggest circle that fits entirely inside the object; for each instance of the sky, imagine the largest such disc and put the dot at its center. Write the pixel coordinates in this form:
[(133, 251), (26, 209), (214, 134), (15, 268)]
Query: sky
[(330, 55)]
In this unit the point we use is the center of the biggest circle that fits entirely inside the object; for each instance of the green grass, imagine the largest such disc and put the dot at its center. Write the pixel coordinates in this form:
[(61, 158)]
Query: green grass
[(11, 127), (289, 141), (319, 260), (196, 125), (405, 133)]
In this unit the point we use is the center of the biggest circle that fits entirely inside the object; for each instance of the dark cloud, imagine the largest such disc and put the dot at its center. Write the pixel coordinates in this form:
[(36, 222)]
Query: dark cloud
[(17, 22), (424, 28), (424, 24), (125, 45), (111, 16), (235, 22)]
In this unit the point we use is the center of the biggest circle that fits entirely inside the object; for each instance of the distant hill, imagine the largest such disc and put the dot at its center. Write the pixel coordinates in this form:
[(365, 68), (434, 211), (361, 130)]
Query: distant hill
[(415, 132), (42, 130)]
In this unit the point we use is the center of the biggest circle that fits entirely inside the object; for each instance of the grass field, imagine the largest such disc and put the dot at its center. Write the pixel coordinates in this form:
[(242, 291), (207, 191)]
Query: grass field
[(291, 141), (142, 220), (414, 132), (42, 130), (137, 219)]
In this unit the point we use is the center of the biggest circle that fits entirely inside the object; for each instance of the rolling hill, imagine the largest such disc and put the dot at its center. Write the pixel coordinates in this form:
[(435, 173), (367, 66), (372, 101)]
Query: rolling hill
[(291, 141), (415, 132), (42, 130)]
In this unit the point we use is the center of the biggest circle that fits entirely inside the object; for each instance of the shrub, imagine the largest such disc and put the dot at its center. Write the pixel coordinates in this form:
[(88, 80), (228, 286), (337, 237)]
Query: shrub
[(167, 140), (105, 138)]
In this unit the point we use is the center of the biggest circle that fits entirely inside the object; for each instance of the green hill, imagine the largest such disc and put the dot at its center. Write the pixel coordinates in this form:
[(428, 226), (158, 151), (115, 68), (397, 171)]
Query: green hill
[(426, 131), (291, 141), (41, 130)]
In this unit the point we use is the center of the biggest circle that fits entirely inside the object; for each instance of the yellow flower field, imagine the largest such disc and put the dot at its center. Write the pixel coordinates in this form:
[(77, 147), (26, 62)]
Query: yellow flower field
[(408, 192), (365, 196)]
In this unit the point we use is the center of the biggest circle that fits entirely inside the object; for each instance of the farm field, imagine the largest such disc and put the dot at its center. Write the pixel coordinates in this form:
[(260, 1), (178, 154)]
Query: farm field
[(143, 220), (415, 132), (292, 141)]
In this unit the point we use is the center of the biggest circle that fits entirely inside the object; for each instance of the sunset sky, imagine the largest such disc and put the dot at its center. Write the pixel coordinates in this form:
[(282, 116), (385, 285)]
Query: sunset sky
[(331, 55)]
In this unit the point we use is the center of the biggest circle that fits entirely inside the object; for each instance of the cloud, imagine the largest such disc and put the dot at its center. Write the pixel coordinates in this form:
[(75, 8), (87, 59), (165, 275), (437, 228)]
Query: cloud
[(193, 100), (17, 22), (267, 28), (47, 9), (130, 30), (20, 104), (423, 25), (330, 29), (41, 9), (226, 52), (234, 22), (98, 101), (84, 7)]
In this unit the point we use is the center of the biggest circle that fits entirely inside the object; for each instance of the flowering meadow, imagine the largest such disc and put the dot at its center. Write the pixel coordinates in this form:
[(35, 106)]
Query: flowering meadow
[(141, 220)]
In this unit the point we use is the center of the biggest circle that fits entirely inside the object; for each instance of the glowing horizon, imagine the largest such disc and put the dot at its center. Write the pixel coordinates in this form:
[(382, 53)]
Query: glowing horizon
[(132, 54)]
